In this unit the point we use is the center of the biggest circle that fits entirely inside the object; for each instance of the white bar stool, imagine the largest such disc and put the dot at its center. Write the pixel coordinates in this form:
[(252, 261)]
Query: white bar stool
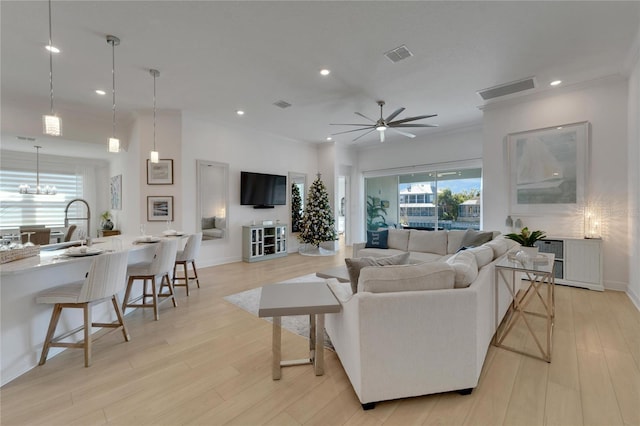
[(104, 280), (186, 256)]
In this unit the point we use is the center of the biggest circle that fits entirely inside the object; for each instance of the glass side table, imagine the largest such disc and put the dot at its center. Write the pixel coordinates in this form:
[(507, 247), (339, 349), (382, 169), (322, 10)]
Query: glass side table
[(539, 275)]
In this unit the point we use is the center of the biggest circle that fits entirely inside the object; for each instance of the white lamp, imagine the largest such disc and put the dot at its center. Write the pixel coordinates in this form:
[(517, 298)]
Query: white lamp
[(154, 157), (51, 124), (114, 143)]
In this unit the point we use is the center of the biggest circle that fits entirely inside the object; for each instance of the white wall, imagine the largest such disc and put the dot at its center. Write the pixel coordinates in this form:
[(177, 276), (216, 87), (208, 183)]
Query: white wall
[(604, 105), (441, 147), (244, 150), (633, 114)]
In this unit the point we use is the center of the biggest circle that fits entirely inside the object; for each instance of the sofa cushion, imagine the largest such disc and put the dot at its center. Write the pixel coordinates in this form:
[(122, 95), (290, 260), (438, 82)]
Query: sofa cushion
[(421, 276), (221, 222), (483, 254), (208, 222), (398, 239), (454, 240), (428, 241), (418, 257), (473, 238), (374, 252), (466, 268), (499, 246), (377, 239), (355, 265)]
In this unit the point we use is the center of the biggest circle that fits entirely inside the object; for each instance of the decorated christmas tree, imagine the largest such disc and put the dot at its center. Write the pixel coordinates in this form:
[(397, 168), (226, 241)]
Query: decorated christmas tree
[(296, 208), (317, 224)]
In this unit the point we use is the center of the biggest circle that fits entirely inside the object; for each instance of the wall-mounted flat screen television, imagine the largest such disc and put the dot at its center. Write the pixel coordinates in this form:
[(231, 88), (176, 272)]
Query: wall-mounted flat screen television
[(262, 190)]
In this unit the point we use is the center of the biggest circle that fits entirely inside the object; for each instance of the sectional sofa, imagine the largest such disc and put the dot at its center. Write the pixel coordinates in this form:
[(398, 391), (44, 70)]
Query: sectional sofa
[(420, 328)]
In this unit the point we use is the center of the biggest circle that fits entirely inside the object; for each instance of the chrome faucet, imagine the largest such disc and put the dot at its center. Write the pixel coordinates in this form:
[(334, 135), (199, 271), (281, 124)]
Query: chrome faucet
[(88, 218)]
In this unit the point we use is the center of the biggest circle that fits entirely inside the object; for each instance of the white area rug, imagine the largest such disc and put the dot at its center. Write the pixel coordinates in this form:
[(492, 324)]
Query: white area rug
[(250, 301)]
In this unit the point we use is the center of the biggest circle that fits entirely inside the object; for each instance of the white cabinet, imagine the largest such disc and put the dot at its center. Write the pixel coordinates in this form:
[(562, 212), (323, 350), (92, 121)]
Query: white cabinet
[(263, 242), (578, 261)]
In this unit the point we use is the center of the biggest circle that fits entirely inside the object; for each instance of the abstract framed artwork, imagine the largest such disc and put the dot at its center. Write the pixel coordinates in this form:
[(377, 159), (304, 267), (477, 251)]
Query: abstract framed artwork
[(160, 173), (159, 209), (116, 192), (548, 169)]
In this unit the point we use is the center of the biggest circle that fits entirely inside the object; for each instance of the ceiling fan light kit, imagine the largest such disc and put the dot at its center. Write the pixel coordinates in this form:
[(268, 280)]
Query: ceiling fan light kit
[(384, 124)]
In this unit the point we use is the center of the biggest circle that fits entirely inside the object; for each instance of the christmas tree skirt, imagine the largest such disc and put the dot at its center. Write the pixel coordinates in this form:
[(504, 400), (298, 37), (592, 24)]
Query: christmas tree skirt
[(311, 250)]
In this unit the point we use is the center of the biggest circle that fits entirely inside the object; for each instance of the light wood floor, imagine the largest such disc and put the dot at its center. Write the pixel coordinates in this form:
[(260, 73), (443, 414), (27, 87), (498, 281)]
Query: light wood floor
[(207, 362)]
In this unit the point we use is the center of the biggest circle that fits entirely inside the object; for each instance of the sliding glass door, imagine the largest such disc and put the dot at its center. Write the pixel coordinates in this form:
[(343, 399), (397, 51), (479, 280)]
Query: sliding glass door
[(446, 198)]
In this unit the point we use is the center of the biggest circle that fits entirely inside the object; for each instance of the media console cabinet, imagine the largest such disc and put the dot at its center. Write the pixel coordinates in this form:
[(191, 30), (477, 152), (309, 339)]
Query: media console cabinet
[(578, 261), (263, 242)]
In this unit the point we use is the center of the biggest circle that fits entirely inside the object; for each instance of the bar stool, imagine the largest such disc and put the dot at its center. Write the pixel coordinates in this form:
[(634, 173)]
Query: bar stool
[(186, 256), (160, 266), (103, 282)]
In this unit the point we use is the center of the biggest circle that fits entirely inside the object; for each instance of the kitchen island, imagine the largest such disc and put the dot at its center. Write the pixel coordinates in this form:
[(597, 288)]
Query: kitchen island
[(24, 323)]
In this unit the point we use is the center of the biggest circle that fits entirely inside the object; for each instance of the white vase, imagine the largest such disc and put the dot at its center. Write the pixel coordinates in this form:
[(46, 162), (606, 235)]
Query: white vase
[(532, 252)]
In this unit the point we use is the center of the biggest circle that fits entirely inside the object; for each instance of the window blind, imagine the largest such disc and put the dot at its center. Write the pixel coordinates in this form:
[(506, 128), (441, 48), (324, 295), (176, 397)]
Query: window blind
[(30, 209)]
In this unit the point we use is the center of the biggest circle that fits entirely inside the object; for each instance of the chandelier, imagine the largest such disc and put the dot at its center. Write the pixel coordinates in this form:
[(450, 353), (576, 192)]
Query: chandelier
[(38, 190)]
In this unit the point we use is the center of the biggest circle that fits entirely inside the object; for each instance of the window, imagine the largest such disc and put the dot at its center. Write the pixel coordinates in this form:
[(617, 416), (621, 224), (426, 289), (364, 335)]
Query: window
[(441, 196), (28, 209)]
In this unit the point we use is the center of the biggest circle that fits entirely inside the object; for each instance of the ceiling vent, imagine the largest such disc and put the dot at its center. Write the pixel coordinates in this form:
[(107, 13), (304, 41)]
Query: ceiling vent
[(282, 104), (507, 89), (25, 138), (398, 54)]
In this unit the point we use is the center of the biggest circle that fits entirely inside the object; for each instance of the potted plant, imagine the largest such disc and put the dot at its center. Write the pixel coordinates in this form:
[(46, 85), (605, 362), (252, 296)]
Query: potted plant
[(106, 220), (527, 240)]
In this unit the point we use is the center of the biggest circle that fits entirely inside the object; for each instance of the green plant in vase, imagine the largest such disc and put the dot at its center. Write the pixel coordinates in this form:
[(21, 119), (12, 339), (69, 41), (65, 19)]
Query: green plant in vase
[(106, 220), (527, 239)]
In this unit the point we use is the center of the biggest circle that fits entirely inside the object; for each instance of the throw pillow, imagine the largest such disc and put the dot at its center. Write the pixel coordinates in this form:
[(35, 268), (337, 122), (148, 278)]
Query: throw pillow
[(466, 268), (473, 238), (417, 277), (208, 222), (355, 265), (377, 239)]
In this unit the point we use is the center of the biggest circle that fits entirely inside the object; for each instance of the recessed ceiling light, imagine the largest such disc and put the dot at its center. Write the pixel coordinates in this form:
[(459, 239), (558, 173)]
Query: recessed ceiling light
[(329, 138), (101, 92), (52, 49), (555, 82), (240, 112), (559, 127), (325, 72)]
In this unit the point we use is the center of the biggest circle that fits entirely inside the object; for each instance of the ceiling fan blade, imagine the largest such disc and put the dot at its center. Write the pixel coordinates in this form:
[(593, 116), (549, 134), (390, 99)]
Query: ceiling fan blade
[(364, 116), (363, 135), (418, 117), (393, 115), (354, 130), (349, 124), (407, 134), (415, 125)]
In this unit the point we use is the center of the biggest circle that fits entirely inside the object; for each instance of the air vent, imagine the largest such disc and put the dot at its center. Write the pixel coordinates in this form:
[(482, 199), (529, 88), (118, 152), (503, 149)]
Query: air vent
[(25, 138), (398, 54), (507, 89), (282, 104)]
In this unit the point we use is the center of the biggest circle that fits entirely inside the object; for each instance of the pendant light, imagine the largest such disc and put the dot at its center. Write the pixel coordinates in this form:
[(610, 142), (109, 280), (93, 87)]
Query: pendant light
[(114, 143), (47, 190), (51, 124), (154, 157)]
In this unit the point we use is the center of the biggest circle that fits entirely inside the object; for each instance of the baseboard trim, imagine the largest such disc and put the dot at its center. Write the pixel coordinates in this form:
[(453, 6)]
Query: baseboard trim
[(616, 286), (635, 299)]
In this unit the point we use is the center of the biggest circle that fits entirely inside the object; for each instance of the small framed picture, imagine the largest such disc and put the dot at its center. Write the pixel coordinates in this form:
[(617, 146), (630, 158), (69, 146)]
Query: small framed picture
[(160, 173), (159, 209)]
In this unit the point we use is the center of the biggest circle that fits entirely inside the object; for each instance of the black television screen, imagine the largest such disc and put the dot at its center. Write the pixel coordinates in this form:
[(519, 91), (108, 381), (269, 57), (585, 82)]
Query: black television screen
[(262, 190)]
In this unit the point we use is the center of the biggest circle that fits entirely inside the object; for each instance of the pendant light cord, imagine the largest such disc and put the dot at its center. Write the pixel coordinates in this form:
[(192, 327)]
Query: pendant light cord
[(113, 81), (155, 73), (50, 60)]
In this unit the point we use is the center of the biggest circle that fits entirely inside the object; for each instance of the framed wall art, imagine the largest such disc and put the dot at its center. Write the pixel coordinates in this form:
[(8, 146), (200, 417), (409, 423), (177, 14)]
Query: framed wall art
[(548, 169), (116, 192), (159, 209), (160, 173)]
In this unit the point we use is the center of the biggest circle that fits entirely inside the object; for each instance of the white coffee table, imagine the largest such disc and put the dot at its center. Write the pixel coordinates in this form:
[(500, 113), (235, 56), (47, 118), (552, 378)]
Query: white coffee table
[(313, 299)]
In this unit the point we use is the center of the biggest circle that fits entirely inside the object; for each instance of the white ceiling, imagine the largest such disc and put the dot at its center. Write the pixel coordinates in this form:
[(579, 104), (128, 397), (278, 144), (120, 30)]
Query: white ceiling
[(217, 57)]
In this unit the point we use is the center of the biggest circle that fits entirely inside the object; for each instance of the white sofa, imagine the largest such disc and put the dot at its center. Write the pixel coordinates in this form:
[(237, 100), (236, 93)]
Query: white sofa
[(424, 246), (397, 344), (213, 227)]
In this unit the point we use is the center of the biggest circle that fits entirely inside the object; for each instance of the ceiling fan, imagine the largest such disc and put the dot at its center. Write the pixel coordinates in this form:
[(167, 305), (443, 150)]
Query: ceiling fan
[(382, 124)]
